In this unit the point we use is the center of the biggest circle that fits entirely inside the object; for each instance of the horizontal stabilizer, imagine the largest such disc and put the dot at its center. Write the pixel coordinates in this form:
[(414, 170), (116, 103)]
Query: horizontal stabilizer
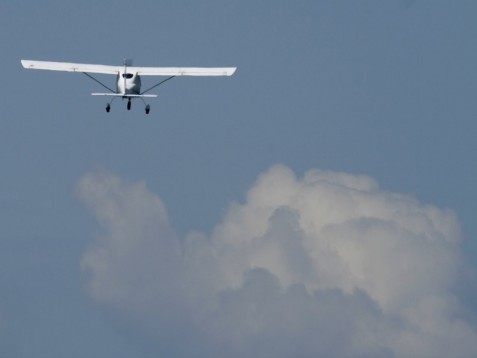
[(125, 95)]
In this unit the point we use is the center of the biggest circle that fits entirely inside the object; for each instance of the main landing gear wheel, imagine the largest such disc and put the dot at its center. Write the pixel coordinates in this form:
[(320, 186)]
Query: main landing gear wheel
[(148, 108), (108, 107), (129, 104)]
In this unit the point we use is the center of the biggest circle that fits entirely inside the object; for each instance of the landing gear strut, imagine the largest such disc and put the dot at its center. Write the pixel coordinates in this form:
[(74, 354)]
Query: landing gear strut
[(147, 108)]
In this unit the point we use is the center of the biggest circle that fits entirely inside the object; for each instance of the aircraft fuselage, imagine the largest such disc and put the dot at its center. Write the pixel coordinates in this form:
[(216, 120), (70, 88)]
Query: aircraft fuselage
[(128, 83)]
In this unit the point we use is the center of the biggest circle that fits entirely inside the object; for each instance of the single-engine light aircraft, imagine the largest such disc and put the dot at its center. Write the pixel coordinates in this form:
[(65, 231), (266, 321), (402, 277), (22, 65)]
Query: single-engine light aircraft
[(128, 77)]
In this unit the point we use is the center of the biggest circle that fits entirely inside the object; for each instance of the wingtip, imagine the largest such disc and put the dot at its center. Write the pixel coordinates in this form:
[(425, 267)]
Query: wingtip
[(27, 64)]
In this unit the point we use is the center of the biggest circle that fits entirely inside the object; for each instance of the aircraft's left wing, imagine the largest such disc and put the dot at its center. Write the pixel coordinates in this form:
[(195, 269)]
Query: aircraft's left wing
[(71, 67)]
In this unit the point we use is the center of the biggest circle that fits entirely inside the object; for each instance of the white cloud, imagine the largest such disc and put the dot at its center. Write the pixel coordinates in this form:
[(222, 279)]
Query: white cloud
[(137, 250), (327, 264)]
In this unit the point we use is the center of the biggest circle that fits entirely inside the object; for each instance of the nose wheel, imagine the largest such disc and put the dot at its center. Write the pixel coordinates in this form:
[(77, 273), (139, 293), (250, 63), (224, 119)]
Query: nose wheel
[(129, 104), (108, 107), (148, 108)]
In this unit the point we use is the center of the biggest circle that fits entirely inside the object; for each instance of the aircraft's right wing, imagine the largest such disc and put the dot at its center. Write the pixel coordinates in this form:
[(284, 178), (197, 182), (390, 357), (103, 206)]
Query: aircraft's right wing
[(71, 67), (183, 71)]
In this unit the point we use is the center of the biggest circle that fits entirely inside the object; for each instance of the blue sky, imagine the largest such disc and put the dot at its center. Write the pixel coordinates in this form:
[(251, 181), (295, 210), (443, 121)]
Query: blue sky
[(380, 89)]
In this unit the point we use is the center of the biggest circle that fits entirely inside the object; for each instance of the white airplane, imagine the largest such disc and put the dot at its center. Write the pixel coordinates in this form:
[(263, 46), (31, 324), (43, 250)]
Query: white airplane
[(128, 84)]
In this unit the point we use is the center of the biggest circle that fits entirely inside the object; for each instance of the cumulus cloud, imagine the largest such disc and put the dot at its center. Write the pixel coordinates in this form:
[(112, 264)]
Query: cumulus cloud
[(137, 251), (325, 264)]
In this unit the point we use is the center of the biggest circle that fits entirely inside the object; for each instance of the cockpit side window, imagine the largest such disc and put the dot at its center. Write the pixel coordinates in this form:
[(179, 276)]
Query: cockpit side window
[(127, 75)]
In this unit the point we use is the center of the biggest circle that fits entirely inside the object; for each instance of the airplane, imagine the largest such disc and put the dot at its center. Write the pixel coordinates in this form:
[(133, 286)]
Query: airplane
[(128, 77)]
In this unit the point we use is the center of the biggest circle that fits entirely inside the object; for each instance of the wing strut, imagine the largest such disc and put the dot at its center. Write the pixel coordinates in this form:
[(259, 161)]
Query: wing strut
[(102, 84), (160, 83)]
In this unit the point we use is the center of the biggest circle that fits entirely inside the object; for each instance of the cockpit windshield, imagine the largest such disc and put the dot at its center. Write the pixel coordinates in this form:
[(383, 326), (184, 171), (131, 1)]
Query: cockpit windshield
[(127, 75)]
